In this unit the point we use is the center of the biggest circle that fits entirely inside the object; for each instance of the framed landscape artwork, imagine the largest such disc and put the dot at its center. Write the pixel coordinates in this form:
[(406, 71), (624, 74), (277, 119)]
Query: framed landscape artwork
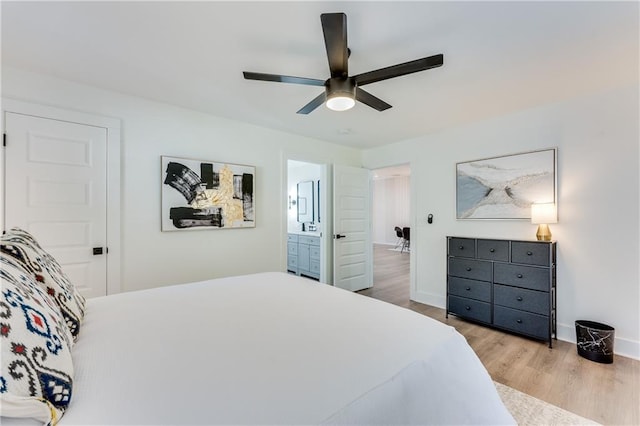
[(505, 187), (199, 194)]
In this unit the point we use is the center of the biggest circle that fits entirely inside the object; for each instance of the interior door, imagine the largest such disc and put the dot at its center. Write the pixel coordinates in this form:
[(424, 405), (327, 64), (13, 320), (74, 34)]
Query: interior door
[(55, 188), (353, 269)]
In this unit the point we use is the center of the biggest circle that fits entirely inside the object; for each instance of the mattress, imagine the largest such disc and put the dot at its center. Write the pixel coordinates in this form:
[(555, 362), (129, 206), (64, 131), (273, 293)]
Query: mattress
[(272, 348)]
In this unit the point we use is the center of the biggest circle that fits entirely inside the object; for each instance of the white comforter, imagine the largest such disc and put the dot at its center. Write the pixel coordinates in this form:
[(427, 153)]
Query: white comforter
[(275, 349)]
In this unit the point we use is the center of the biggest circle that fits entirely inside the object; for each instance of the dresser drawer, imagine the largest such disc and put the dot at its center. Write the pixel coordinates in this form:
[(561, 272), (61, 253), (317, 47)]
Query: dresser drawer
[(292, 262), (292, 249), (519, 298), (469, 308), (292, 238), (493, 250), (314, 266), (467, 268), (521, 322), (462, 247), (478, 290), (530, 253), (314, 253), (522, 276), (312, 241)]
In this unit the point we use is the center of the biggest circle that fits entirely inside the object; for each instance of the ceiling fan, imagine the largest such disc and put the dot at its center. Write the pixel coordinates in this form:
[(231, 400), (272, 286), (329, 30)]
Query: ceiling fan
[(341, 91)]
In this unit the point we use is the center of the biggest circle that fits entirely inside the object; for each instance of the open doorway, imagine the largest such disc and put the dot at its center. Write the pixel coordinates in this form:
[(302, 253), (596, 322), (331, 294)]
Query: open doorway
[(308, 222), (391, 234)]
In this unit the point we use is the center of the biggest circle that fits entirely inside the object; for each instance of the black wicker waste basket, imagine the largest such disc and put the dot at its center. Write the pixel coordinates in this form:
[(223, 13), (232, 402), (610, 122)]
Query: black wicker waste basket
[(595, 341)]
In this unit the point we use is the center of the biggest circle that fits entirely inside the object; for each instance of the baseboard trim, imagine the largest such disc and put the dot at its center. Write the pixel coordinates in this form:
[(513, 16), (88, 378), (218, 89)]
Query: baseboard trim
[(621, 346), (431, 299)]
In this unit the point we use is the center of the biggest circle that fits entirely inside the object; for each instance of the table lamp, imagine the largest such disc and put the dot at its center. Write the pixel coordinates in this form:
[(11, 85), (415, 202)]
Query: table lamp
[(543, 214)]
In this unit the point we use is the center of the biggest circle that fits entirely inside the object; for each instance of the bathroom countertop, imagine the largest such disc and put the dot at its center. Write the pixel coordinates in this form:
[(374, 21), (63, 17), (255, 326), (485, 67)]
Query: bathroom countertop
[(308, 233)]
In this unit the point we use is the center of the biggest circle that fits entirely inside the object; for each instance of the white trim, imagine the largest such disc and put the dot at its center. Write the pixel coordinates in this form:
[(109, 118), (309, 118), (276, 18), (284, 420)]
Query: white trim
[(112, 125), (326, 224), (370, 258), (621, 346), (567, 333), (430, 299), (413, 244)]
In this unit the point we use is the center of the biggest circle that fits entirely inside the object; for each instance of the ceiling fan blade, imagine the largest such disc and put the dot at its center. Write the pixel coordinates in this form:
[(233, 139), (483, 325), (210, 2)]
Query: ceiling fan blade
[(368, 99), (315, 103), (334, 27), (282, 78), (400, 69)]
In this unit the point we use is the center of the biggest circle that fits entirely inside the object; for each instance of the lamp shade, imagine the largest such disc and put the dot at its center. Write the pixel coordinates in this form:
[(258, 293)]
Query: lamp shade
[(543, 213)]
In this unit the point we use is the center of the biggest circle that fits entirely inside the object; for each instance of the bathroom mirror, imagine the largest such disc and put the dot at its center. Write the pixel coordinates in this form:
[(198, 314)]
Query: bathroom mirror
[(305, 201)]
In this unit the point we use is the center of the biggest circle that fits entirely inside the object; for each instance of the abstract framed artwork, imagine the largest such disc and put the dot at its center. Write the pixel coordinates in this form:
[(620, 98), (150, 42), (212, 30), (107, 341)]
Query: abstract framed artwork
[(199, 194), (505, 187)]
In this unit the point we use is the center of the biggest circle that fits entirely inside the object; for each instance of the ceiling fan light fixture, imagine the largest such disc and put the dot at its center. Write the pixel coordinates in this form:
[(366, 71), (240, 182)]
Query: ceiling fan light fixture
[(340, 102), (341, 94)]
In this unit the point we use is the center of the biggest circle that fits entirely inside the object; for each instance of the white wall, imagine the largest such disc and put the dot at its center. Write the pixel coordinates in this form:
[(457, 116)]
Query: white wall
[(599, 191), (598, 204), (391, 203), (153, 258)]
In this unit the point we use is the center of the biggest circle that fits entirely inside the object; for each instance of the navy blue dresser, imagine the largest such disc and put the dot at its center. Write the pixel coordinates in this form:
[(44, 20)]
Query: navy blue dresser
[(504, 284)]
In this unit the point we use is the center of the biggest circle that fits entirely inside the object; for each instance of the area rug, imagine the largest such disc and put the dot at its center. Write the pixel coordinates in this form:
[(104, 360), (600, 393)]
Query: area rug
[(527, 410)]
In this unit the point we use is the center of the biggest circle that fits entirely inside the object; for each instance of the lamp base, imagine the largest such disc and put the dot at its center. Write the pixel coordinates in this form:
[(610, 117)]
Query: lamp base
[(544, 233)]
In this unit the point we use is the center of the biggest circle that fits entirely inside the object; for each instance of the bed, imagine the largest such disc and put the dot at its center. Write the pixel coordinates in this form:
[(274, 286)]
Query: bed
[(268, 348)]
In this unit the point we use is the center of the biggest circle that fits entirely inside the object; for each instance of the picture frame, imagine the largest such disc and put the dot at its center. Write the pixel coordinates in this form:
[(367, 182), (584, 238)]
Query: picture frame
[(202, 194), (505, 187)]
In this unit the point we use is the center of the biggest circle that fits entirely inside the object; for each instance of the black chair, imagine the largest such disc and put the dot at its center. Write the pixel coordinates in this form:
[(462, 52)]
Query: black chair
[(406, 236), (400, 236)]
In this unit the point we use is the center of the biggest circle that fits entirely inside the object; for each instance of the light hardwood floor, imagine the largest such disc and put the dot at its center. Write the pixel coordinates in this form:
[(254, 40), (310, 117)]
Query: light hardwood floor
[(606, 393)]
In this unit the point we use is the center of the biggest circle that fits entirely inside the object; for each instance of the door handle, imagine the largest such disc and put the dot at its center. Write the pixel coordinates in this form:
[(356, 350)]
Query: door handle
[(97, 251), (338, 236)]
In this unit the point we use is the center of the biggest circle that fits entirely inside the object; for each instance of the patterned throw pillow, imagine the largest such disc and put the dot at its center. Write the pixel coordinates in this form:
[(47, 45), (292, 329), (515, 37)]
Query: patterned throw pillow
[(48, 273), (36, 378)]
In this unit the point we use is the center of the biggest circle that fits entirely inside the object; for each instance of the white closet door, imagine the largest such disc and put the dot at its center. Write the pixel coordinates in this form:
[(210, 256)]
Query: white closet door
[(56, 177)]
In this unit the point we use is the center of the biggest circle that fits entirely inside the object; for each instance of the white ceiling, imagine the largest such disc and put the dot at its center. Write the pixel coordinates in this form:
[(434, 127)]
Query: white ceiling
[(499, 57)]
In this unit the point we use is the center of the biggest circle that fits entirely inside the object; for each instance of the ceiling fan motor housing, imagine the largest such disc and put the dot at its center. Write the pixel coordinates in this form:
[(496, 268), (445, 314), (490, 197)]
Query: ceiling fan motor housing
[(338, 86)]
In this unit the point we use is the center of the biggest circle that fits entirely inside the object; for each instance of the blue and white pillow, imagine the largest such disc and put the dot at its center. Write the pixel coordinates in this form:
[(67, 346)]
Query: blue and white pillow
[(48, 273), (36, 378)]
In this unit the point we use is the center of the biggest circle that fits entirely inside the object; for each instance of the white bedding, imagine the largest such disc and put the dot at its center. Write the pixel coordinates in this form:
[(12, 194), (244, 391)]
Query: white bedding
[(272, 348)]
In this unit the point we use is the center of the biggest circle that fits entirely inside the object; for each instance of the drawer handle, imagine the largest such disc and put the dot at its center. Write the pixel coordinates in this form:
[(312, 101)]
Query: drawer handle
[(519, 321), (468, 308), (529, 253), (519, 275), (468, 269), (519, 298), (492, 250), (460, 247), (468, 288)]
